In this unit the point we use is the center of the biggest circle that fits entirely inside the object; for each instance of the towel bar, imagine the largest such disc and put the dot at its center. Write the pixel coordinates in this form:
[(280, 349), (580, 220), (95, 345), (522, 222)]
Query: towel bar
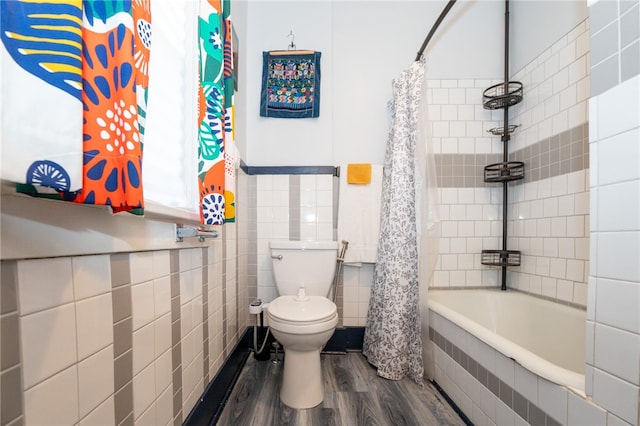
[(187, 232)]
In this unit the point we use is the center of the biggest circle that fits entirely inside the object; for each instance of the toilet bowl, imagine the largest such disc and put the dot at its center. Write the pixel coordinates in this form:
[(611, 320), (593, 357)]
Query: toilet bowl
[(302, 319), (303, 328)]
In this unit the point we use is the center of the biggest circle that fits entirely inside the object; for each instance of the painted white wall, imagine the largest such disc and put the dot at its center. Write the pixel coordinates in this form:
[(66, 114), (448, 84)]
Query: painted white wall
[(364, 45)]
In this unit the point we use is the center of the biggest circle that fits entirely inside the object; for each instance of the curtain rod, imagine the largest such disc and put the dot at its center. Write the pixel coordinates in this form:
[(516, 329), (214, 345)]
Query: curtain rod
[(435, 27)]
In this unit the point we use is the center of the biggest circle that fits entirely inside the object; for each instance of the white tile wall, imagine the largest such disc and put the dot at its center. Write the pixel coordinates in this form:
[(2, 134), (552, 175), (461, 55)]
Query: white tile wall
[(102, 415), (48, 343), (95, 380), (141, 267), (615, 235), (357, 282), (316, 207), (615, 395), (91, 276), (54, 401), (583, 412), (556, 89), (44, 283), (143, 347), (94, 324)]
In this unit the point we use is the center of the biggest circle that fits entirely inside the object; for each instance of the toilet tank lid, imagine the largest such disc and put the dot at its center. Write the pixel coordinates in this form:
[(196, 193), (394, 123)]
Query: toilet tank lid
[(304, 245)]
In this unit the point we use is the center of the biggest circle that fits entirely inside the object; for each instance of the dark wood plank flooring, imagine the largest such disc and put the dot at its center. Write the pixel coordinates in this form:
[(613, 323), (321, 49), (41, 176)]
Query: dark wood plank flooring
[(354, 395)]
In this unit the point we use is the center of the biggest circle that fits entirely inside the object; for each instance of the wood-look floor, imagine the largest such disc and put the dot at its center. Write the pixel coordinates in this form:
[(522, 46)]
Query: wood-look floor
[(354, 395)]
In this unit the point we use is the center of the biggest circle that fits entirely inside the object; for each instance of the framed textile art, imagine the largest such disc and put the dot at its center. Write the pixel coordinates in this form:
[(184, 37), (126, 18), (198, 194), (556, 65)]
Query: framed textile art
[(290, 84)]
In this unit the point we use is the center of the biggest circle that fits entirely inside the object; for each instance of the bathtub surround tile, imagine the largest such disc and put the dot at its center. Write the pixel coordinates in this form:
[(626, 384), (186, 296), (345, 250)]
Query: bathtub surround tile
[(552, 399), (617, 156), (530, 399), (617, 303), (617, 352), (615, 395), (583, 412), (604, 44), (616, 264), (613, 120)]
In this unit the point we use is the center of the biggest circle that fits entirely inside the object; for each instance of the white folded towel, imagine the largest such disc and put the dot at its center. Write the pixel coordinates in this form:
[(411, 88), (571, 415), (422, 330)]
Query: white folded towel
[(359, 216)]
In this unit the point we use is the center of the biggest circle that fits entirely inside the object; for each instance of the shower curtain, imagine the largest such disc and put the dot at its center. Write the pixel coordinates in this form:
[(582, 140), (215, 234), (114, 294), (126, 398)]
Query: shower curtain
[(392, 340)]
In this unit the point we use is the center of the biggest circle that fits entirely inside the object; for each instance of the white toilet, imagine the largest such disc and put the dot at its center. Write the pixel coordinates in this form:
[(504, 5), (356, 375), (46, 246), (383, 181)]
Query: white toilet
[(302, 319)]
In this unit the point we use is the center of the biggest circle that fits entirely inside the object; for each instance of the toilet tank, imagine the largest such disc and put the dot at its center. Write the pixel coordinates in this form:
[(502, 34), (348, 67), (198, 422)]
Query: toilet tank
[(311, 264)]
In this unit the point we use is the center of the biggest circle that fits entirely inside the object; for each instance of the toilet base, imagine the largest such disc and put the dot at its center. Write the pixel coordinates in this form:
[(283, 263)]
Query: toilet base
[(302, 385)]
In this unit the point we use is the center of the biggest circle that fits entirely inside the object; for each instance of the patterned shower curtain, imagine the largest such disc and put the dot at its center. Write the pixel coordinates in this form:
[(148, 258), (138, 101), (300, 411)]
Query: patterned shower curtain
[(392, 340), (74, 111), (216, 161)]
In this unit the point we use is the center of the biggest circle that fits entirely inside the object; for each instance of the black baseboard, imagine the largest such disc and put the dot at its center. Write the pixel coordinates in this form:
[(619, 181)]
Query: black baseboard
[(210, 405), (345, 339), (453, 405)]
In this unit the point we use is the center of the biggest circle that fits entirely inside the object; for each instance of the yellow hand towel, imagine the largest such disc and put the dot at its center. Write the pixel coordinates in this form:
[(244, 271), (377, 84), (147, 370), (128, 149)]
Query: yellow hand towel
[(359, 174)]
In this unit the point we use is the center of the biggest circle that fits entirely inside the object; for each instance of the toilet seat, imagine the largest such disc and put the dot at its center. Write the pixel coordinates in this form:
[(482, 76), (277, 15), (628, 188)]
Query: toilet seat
[(315, 315)]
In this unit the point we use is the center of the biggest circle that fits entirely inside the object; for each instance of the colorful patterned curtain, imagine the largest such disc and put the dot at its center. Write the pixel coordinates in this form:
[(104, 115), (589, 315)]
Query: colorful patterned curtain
[(216, 162), (74, 112)]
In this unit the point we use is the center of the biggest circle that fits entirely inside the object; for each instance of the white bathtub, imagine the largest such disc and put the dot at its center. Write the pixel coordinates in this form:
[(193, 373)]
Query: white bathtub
[(546, 338)]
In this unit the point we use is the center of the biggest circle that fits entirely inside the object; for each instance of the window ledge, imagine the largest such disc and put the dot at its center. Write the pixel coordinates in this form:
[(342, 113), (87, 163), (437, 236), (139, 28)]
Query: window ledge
[(156, 211)]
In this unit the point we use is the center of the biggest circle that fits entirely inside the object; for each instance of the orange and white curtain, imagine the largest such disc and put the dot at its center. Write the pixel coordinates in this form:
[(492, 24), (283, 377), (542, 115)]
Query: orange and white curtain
[(73, 113), (216, 159)]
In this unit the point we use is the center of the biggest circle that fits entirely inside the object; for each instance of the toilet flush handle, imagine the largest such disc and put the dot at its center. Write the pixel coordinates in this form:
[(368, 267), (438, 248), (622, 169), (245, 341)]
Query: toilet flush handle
[(279, 256)]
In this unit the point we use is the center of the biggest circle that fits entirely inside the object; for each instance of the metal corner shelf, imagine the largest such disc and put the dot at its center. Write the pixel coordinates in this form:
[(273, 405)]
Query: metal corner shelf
[(500, 131), (504, 172), (500, 258), (502, 95)]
